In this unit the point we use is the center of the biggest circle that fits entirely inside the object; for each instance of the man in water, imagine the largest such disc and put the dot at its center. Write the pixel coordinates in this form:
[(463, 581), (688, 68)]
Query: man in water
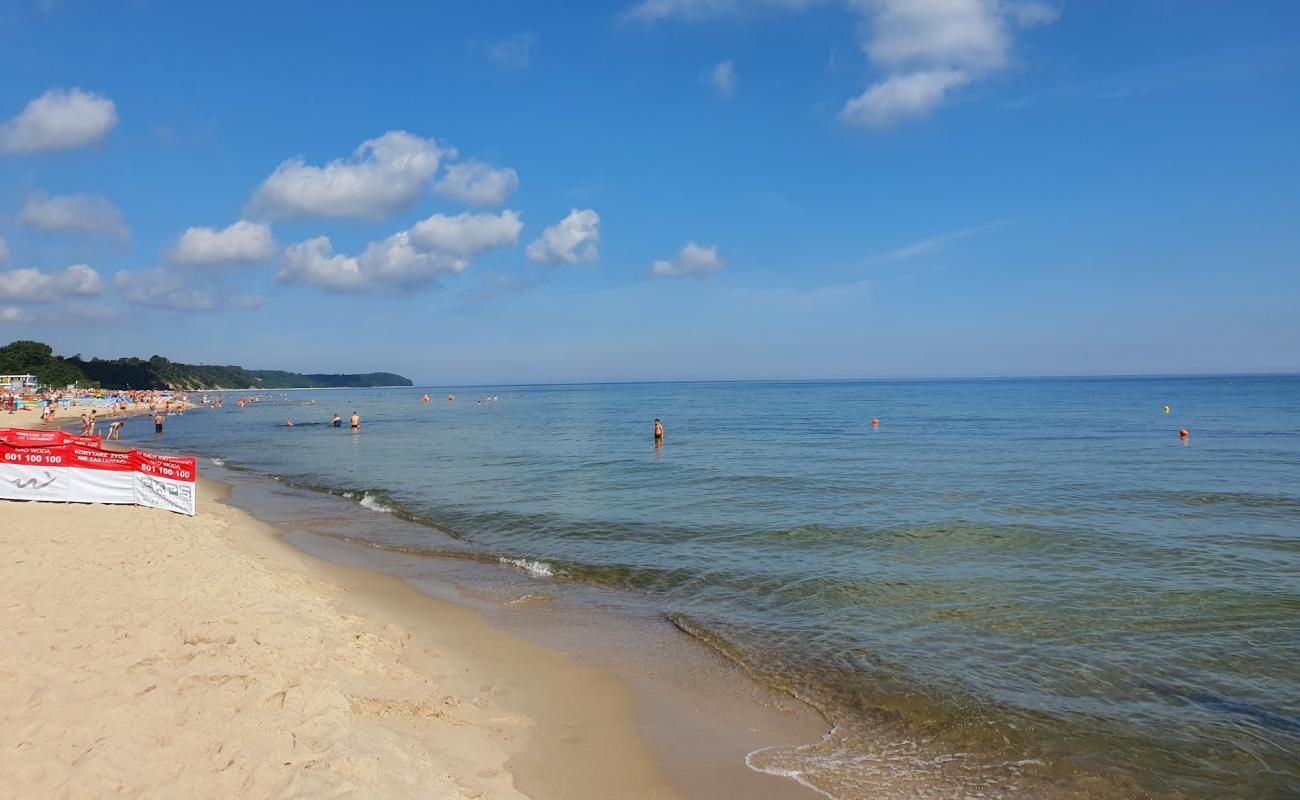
[(158, 420), (356, 421), (337, 421), (659, 431)]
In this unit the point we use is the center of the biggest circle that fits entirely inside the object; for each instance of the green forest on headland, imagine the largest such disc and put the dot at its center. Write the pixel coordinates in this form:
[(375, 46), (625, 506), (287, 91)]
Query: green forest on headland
[(37, 358)]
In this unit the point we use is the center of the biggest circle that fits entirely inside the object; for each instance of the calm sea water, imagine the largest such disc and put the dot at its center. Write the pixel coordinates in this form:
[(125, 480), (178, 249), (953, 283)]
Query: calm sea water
[(1009, 586)]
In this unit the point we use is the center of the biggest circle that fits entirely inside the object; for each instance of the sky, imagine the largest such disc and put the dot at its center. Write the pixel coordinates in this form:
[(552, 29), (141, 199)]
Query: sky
[(523, 192)]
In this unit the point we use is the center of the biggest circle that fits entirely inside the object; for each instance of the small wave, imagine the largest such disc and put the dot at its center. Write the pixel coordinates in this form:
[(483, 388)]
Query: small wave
[(533, 567), (219, 462), (373, 503)]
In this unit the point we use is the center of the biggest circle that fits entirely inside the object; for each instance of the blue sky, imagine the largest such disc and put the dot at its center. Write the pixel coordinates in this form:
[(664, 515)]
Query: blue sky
[(671, 189)]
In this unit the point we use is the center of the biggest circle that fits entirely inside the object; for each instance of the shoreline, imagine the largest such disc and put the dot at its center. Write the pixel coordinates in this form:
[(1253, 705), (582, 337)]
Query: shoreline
[(233, 660)]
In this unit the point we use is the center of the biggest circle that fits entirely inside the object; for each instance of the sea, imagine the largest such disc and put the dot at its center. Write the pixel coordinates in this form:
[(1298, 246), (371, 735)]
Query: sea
[(989, 588)]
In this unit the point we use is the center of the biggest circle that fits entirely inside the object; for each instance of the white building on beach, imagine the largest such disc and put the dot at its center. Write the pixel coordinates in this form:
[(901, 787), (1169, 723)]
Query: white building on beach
[(17, 383)]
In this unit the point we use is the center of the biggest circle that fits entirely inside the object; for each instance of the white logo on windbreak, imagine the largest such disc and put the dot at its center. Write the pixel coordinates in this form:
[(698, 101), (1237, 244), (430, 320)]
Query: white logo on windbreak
[(34, 483), (160, 490)]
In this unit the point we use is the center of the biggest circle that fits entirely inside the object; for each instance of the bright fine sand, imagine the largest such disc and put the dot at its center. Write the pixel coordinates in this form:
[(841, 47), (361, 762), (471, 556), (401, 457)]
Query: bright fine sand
[(148, 654)]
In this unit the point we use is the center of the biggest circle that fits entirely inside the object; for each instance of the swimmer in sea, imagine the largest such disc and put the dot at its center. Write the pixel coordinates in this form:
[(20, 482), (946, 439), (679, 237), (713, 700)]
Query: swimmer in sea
[(337, 422), (356, 421), (659, 431), (288, 423), (158, 420)]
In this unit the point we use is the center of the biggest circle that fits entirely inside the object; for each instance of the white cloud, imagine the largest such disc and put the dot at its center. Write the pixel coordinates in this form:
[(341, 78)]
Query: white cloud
[(723, 79), (35, 286), (654, 10), (241, 243), (59, 120), (901, 96), (4, 251), (467, 235), (478, 184), (392, 262), (383, 175), (956, 33), (513, 52), (436, 246), (931, 47), (159, 288), (75, 213), (692, 260), (13, 314), (572, 240), (314, 262), (924, 49)]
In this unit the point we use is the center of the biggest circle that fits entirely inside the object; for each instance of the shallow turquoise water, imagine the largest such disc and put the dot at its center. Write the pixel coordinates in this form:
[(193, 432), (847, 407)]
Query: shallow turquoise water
[(1013, 583)]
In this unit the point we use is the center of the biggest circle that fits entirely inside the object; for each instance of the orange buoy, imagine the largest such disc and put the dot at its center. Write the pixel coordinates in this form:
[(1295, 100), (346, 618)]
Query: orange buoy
[(875, 422)]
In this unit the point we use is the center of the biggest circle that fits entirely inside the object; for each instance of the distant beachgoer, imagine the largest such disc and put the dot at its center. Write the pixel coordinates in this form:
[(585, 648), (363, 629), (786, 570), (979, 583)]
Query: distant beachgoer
[(356, 421), (425, 399), (337, 421), (288, 423), (115, 430), (451, 397), (158, 420), (659, 431)]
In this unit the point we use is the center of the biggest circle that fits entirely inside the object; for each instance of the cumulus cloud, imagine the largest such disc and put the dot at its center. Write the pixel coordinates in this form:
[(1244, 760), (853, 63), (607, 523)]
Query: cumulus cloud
[(60, 119), (315, 263), (392, 262), (574, 239), (35, 286), (432, 247), (513, 52), (691, 261), (383, 175), (478, 184), (467, 235), (240, 243), (75, 213), (930, 47), (723, 79), (13, 314)]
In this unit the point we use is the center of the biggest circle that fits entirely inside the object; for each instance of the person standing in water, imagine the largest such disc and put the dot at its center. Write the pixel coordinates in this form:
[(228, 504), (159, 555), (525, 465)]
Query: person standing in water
[(356, 421), (659, 432), (337, 422), (158, 420)]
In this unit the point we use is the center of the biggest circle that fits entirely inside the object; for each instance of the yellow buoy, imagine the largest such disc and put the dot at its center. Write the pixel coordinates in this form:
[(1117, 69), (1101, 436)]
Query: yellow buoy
[(1166, 409)]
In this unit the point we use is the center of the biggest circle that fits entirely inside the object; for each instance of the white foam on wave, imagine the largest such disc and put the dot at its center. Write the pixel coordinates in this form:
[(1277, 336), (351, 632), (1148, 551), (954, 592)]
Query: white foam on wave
[(371, 503), (538, 568), (793, 774), (218, 461)]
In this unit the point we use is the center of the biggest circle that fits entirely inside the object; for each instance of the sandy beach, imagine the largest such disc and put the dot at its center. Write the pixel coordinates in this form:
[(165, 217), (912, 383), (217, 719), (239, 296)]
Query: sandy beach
[(155, 655)]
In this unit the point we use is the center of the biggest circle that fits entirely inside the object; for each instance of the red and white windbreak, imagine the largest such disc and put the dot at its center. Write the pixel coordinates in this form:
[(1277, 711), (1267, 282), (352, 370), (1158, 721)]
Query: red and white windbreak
[(34, 473), (73, 472)]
